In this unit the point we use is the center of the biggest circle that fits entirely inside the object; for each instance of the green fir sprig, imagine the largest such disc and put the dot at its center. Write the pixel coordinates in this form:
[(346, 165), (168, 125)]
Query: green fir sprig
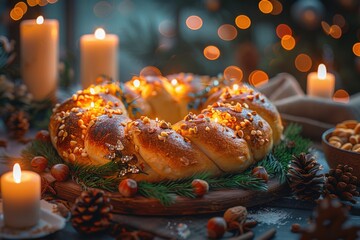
[(105, 176)]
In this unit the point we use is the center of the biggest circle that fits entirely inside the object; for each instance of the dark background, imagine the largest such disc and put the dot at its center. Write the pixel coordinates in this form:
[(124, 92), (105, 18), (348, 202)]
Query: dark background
[(154, 33)]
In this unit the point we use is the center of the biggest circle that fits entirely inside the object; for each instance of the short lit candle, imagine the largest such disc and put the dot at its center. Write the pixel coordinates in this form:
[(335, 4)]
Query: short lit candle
[(99, 53), (39, 43), (21, 192), (320, 83)]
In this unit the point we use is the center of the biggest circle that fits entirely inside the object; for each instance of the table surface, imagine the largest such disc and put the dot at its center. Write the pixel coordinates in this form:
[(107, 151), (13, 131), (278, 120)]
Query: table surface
[(279, 214)]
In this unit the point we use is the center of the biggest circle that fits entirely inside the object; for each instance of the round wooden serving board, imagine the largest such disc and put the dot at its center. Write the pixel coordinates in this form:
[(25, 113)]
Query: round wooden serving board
[(214, 201)]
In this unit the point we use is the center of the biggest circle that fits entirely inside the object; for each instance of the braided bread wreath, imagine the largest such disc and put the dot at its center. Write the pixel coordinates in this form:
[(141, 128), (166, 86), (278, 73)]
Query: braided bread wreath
[(237, 128)]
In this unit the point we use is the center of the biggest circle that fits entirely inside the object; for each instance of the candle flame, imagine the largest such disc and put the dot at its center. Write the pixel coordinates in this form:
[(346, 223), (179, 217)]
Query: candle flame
[(40, 20), (235, 87), (17, 173), (136, 83), (92, 104), (321, 71), (174, 82), (92, 91), (100, 33)]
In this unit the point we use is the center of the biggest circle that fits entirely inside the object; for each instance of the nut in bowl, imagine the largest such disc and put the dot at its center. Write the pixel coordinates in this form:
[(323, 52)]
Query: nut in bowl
[(341, 145)]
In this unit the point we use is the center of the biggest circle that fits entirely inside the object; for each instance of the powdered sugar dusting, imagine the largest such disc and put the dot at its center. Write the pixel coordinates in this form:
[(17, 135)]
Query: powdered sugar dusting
[(270, 216)]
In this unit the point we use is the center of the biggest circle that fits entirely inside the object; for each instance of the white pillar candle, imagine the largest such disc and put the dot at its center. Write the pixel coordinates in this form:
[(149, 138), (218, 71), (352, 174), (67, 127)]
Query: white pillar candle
[(21, 198), (98, 56), (321, 84), (39, 42)]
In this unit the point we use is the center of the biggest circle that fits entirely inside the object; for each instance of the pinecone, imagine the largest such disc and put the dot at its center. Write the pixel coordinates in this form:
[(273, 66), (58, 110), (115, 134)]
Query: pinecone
[(18, 124), (304, 178), (91, 212), (340, 183)]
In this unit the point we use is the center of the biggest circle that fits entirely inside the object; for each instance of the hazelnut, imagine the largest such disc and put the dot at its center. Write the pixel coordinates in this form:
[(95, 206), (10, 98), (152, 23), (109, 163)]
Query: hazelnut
[(235, 216), (295, 228), (60, 172), (216, 227), (260, 172), (43, 135), (200, 187), (128, 187), (39, 164)]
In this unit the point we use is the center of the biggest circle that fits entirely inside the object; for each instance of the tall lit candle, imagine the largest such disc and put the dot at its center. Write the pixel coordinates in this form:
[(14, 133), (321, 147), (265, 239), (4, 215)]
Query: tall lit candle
[(39, 42), (320, 83), (98, 56), (20, 192)]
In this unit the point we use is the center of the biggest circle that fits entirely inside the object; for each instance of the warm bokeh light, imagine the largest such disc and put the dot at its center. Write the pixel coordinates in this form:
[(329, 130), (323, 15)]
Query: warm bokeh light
[(326, 27), (282, 30), (16, 13), (194, 22), (32, 3), (335, 31), (265, 6), (233, 73), (40, 20), (341, 96), (22, 5), (303, 62), (211, 52), (167, 29), (92, 104), (17, 173), (150, 71), (339, 20), (242, 22), (136, 83), (277, 7), (356, 49), (92, 91), (42, 3), (258, 78), (100, 33), (288, 42), (227, 32)]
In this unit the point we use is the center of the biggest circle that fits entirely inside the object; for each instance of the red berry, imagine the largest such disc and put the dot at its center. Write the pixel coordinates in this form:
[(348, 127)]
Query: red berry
[(39, 164), (43, 135), (200, 187), (216, 227), (60, 172), (128, 187)]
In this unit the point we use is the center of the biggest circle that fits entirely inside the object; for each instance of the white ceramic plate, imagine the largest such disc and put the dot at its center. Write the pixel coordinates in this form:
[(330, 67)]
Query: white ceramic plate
[(50, 222)]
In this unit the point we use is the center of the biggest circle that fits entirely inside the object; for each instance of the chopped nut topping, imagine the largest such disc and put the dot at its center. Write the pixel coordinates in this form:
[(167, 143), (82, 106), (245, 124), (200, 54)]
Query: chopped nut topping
[(146, 120), (72, 157), (164, 125), (164, 134)]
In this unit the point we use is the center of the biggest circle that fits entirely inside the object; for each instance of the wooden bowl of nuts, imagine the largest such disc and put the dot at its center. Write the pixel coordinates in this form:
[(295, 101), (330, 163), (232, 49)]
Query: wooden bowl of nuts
[(341, 145)]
